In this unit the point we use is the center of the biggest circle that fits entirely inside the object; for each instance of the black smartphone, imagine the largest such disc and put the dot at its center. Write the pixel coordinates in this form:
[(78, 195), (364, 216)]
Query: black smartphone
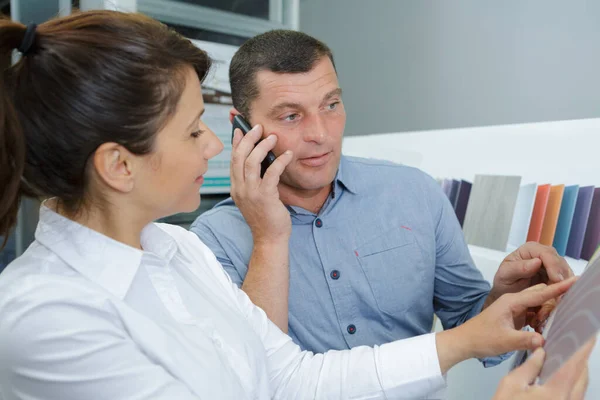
[(240, 122)]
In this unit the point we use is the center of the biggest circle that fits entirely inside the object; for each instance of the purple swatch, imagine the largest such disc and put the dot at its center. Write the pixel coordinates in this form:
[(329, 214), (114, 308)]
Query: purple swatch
[(592, 232), (462, 200), (580, 220)]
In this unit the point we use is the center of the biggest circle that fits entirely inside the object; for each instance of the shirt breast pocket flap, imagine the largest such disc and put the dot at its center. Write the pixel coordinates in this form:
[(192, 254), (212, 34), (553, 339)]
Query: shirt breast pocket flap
[(393, 265)]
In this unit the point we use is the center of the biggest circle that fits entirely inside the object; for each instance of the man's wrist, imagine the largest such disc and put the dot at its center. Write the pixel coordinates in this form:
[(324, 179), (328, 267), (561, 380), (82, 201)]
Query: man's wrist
[(270, 242)]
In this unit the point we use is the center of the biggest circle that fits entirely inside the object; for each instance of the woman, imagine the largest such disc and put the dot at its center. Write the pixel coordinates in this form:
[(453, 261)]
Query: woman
[(102, 116)]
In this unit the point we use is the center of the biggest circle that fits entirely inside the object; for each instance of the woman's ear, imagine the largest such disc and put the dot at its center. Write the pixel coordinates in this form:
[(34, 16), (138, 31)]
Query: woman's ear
[(115, 166)]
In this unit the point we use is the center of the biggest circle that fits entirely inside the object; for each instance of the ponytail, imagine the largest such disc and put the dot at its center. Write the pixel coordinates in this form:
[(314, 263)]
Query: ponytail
[(12, 139)]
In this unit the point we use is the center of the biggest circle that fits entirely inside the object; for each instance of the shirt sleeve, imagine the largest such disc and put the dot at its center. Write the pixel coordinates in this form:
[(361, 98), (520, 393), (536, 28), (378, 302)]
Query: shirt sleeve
[(460, 289), (58, 342), (405, 369)]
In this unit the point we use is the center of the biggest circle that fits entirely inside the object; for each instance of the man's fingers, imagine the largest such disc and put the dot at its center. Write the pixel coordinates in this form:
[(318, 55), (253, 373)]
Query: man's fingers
[(519, 269), (237, 167), (253, 162), (556, 266), (247, 142), (242, 147), (237, 136), (275, 170)]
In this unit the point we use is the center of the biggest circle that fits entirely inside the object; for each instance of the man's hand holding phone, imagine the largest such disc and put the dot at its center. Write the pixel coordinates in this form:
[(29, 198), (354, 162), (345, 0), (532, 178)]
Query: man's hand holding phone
[(258, 197)]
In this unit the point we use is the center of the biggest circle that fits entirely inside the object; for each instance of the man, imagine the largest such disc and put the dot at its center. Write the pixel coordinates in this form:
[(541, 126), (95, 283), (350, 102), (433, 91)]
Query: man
[(375, 248)]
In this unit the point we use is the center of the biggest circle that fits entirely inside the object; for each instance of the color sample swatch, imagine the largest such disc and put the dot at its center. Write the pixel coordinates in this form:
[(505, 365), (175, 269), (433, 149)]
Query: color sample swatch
[(490, 211), (462, 201), (592, 231), (539, 213), (580, 220), (522, 216), (565, 219), (552, 212)]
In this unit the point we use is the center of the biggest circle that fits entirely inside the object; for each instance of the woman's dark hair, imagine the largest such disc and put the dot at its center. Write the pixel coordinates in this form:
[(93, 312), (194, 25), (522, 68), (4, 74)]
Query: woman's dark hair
[(88, 78)]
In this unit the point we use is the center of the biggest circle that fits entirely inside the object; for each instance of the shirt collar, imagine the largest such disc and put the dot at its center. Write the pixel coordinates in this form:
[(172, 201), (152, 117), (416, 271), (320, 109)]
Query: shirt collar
[(107, 262), (342, 182), (343, 178)]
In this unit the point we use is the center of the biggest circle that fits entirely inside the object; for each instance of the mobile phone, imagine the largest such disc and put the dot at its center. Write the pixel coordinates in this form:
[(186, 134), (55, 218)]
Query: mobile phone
[(240, 123)]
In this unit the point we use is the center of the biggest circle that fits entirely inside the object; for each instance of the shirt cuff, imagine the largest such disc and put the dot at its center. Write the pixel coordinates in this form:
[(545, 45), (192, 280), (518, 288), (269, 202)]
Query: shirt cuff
[(493, 361), (410, 368), (477, 308)]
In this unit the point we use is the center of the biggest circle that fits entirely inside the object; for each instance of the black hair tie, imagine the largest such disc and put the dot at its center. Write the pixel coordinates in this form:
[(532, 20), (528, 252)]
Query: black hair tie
[(28, 39)]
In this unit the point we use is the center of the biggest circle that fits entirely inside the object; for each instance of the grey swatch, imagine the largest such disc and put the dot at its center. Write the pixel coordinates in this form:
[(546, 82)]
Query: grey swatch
[(490, 211)]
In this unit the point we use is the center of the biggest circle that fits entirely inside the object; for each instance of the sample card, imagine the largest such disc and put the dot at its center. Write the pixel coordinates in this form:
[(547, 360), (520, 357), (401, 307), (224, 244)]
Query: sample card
[(574, 321), (490, 211), (580, 220), (565, 219), (522, 216)]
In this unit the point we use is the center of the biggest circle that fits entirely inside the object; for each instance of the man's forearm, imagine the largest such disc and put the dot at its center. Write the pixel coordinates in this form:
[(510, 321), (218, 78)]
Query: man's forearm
[(267, 280)]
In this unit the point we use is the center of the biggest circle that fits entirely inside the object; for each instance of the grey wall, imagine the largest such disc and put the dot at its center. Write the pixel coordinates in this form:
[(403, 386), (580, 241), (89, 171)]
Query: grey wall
[(37, 11), (424, 64)]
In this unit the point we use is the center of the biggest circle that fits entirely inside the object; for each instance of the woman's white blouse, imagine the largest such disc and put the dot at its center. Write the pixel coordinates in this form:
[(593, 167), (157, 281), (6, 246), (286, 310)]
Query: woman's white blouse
[(85, 317)]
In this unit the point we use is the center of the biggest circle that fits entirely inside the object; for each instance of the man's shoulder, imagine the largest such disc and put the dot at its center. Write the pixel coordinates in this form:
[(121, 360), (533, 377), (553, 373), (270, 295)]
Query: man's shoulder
[(375, 171), (223, 209), (223, 216)]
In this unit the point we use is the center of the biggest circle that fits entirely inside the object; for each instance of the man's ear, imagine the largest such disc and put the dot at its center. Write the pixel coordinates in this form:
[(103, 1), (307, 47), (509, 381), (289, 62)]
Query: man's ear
[(114, 165), (232, 113)]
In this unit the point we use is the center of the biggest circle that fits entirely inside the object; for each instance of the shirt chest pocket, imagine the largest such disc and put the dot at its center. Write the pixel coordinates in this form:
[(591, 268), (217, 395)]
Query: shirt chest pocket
[(393, 265)]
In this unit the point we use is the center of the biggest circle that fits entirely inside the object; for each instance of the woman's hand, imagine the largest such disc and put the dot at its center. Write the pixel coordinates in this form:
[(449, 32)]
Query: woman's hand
[(568, 383)]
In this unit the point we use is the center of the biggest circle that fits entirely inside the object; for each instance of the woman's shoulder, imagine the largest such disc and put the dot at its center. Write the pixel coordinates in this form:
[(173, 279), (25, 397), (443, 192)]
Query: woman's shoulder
[(195, 254)]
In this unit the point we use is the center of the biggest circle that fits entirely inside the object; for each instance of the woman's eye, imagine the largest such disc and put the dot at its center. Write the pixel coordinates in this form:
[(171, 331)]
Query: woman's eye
[(197, 133)]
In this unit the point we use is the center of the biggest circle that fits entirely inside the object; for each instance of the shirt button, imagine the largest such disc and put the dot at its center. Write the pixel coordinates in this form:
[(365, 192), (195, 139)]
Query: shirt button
[(335, 274), (351, 329), (318, 223)]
